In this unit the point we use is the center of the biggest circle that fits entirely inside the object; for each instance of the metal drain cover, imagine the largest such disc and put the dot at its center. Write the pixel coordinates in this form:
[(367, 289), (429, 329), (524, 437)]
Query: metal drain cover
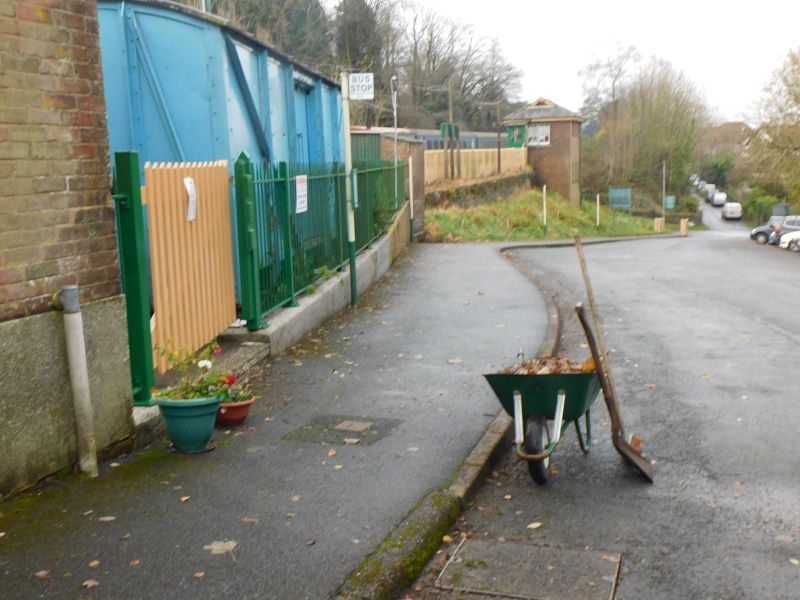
[(527, 571), (335, 429)]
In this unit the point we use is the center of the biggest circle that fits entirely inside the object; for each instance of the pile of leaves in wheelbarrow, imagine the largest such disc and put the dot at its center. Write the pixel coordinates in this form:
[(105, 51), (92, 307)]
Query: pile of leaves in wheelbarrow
[(549, 365)]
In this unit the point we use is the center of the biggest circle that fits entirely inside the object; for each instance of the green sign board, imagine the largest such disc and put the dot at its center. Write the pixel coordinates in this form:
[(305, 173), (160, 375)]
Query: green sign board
[(620, 198), (670, 202)]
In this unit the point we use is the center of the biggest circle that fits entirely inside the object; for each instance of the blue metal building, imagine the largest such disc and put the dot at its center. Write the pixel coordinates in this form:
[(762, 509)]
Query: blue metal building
[(183, 85)]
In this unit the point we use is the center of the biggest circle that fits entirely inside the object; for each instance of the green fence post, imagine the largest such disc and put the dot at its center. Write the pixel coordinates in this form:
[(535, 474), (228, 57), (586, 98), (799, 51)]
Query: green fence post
[(247, 234), (286, 210), (133, 268)]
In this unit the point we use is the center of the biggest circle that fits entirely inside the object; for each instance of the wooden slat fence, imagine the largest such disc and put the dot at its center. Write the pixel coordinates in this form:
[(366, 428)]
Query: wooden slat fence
[(476, 164), (191, 261)]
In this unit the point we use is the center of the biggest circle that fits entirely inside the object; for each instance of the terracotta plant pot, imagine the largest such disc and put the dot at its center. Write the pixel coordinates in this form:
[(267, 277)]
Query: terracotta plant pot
[(233, 413)]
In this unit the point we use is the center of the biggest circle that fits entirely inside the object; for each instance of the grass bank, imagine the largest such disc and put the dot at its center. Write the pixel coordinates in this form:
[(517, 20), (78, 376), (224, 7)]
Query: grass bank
[(519, 218)]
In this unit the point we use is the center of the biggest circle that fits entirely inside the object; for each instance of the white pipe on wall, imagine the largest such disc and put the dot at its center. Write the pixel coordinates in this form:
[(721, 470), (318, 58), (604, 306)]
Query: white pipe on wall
[(67, 301)]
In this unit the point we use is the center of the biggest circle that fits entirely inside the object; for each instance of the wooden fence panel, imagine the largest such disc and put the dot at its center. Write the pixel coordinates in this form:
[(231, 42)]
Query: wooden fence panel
[(191, 262), (476, 164)]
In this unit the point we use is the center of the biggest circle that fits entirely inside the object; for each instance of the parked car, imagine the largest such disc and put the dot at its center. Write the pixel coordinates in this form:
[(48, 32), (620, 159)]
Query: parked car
[(762, 232), (719, 199), (791, 241), (731, 210), (790, 224)]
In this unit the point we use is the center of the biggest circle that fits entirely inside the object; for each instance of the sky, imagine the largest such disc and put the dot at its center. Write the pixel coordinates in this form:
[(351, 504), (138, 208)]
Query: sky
[(729, 50)]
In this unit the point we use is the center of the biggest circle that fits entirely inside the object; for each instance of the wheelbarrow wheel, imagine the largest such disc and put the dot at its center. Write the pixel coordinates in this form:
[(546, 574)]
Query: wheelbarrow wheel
[(537, 437)]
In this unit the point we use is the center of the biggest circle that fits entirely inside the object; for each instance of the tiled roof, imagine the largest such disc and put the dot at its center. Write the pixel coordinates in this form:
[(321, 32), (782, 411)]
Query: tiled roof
[(542, 110)]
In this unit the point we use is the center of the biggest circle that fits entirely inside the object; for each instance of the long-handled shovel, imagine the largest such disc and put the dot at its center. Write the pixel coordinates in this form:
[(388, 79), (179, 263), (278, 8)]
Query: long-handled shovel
[(631, 452)]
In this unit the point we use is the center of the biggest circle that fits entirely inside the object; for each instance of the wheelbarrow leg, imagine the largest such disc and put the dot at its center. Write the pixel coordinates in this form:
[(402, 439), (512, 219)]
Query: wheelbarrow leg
[(587, 442)]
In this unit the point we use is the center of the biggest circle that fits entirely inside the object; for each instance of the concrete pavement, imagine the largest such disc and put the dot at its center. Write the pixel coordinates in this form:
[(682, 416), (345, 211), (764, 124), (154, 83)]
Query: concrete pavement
[(298, 507)]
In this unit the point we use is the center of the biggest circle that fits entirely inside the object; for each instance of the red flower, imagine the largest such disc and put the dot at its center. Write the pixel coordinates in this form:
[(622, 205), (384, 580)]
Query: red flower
[(231, 379), (217, 351)]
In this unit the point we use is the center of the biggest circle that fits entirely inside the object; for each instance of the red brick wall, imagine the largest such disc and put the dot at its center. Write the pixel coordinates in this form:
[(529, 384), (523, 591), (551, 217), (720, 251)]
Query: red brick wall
[(554, 164), (56, 217)]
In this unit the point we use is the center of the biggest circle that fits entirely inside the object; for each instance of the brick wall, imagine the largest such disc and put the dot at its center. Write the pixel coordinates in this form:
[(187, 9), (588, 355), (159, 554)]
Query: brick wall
[(558, 164), (56, 217)]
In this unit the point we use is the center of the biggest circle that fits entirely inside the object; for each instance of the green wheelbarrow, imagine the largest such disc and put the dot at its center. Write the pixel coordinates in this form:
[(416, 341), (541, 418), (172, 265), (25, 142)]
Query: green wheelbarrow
[(543, 406)]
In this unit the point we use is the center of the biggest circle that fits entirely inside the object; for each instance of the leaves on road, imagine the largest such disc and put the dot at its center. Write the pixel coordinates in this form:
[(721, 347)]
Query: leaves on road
[(331, 452), (185, 499), (94, 564), (447, 539), (199, 574), (218, 547), (455, 361), (90, 583), (42, 575), (253, 520), (535, 525), (351, 441), (106, 519)]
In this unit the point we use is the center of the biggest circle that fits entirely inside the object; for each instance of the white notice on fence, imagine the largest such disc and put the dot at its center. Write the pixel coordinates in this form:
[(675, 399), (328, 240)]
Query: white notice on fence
[(191, 214), (302, 194)]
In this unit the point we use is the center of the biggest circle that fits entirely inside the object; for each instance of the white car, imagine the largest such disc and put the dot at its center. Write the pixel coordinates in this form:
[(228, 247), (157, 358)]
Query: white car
[(720, 199), (731, 210), (790, 241)]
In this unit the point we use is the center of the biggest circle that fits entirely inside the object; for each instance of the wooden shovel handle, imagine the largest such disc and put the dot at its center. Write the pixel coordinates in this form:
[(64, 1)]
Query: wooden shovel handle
[(617, 427), (601, 339)]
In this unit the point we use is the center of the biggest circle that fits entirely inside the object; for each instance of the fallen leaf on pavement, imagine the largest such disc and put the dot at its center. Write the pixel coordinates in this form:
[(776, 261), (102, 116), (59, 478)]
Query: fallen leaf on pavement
[(87, 513), (185, 498), (507, 497), (90, 583), (651, 386), (114, 465), (221, 547), (42, 574), (413, 449), (534, 525), (447, 539), (199, 574), (125, 536), (254, 520), (268, 419), (787, 539), (2, 534), (455, 361), (135, 563), (611, 558), (106, 519), (94, 564), (295, 498), (291, 515), (795, 562), (331, 452), (337, 467), (311, 542), (351, 441)]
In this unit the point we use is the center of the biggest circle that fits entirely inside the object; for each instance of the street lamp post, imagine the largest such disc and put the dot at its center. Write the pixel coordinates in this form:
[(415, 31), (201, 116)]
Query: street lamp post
[(393, 86)]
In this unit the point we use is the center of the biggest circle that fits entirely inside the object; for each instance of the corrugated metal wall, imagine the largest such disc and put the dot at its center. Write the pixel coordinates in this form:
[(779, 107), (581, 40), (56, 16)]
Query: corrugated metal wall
[(181, 85)]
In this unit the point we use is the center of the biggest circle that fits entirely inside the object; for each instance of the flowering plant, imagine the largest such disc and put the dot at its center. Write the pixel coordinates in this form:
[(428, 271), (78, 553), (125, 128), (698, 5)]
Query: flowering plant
[(198, 379)]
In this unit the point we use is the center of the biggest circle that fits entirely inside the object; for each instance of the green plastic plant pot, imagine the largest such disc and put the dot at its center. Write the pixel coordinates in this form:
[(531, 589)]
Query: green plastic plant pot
[(189, 423)]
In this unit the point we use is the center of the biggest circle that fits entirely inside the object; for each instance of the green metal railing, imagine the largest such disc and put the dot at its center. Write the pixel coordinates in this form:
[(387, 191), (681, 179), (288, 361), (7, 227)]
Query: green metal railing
[(133, 270), (282, 251)]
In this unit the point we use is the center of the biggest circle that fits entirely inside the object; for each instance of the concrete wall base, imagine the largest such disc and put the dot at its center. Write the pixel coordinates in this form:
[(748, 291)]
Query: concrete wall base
[(37, 434)]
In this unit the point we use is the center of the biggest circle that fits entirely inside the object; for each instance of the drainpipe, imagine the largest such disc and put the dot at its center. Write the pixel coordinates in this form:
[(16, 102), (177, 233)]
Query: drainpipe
[(67, 301)]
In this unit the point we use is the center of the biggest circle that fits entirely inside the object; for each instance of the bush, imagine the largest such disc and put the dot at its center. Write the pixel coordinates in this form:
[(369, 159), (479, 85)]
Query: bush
[(757, 207)]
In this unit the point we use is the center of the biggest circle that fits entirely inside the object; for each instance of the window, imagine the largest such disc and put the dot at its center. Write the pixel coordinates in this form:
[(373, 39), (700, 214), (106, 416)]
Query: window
[(538, 134)]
